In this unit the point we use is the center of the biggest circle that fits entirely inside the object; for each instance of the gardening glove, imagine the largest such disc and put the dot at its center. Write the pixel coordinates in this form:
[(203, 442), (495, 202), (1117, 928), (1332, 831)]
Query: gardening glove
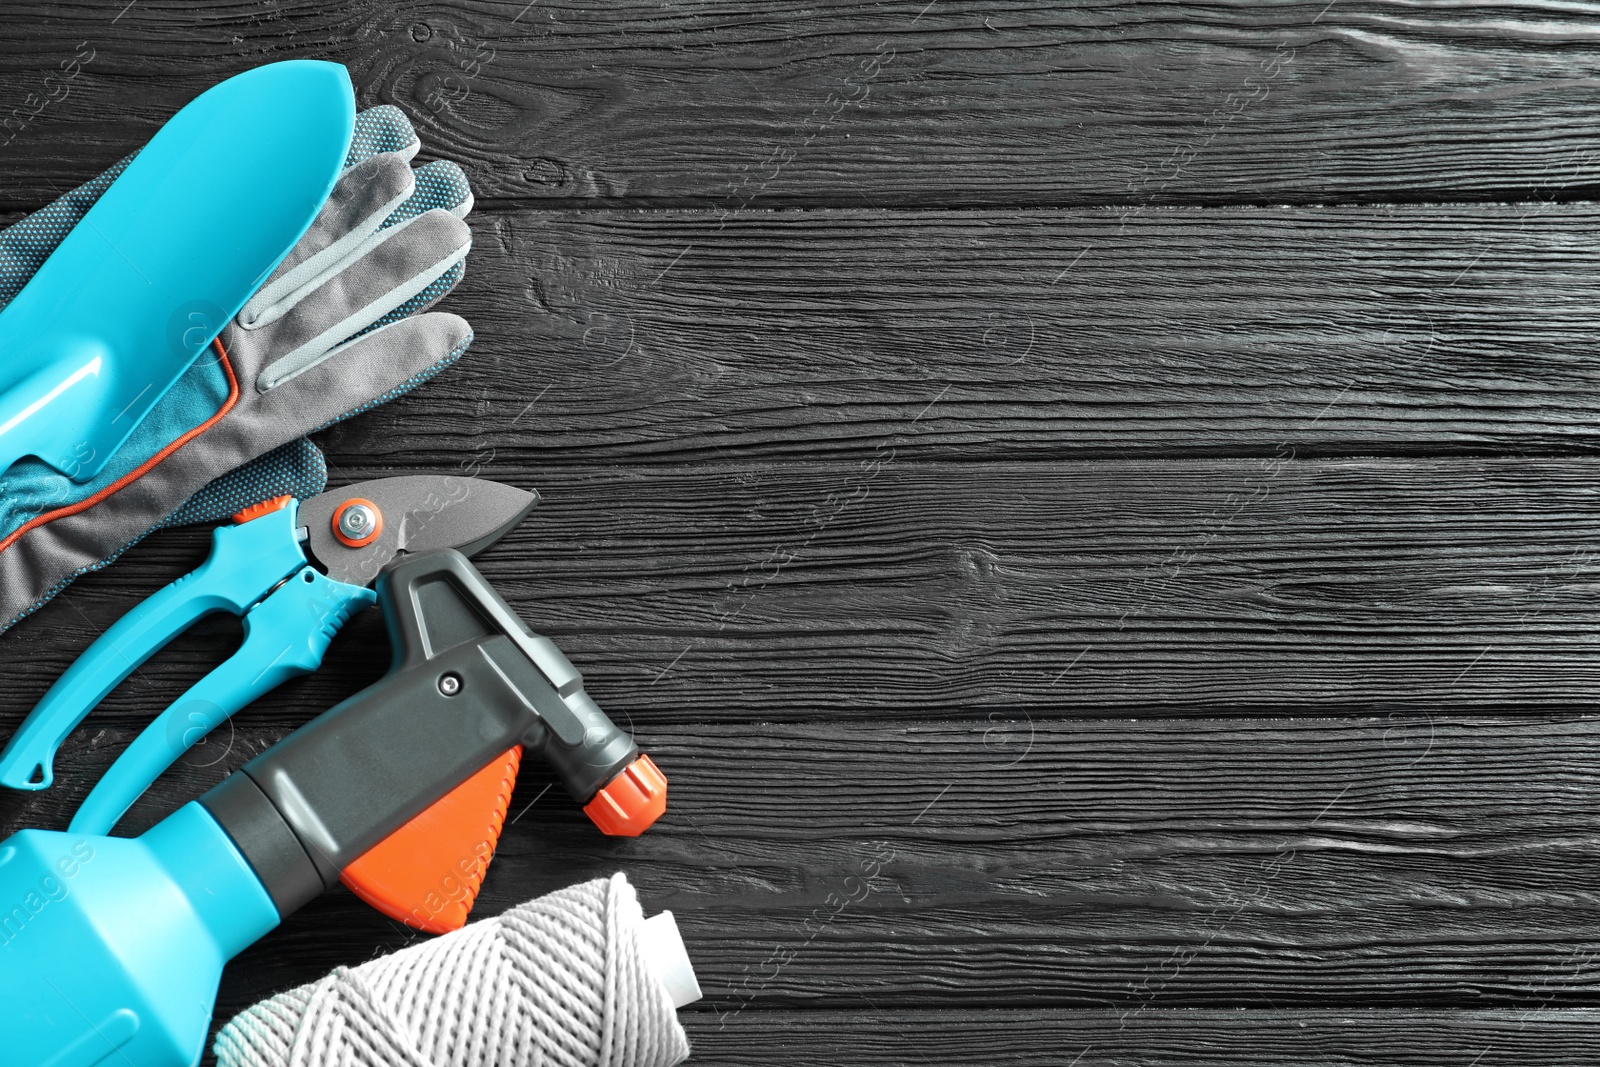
[(339, 327)]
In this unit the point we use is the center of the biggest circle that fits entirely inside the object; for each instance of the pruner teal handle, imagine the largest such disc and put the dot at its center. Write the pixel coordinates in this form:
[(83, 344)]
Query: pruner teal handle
[(246, 561), (285, 635)]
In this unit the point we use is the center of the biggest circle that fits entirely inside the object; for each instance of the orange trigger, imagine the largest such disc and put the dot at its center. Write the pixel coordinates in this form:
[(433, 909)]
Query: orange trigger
[(428, 872)]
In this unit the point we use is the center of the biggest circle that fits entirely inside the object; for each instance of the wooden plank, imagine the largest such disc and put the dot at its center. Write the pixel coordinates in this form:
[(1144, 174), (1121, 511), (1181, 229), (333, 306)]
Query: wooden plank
[(670, 337), (1131, 866), (757, 592), (1199, 1038), (880, 104)]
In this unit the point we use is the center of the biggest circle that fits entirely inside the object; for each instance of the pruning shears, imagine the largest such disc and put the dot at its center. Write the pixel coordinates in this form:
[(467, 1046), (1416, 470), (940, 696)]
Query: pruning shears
[(295, 571)]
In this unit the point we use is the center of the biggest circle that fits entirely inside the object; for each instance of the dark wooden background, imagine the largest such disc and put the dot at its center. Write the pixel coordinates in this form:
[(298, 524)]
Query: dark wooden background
[(1095, 507)]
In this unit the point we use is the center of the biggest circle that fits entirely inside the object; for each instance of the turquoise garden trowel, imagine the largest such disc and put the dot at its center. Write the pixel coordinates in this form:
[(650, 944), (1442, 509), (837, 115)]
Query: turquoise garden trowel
[(165, 258)]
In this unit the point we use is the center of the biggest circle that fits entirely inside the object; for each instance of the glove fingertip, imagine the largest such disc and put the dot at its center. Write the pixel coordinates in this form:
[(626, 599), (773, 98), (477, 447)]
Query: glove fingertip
[(381, 129), (459, 330), (440, 184)]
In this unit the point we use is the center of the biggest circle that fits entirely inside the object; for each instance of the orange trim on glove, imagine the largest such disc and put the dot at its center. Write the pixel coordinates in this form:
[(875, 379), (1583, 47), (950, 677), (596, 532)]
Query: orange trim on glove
[(144, 468)]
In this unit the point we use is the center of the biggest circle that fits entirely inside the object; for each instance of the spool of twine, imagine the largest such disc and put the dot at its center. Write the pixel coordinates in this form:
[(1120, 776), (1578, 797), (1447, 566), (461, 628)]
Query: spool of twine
[(560, 981)]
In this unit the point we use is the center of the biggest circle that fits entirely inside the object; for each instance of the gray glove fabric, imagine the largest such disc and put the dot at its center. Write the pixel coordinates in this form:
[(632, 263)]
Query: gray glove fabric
[(341, 326)]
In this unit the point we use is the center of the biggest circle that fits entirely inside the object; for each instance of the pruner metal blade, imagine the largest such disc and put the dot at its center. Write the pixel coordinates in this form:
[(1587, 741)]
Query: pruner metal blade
[(355, 531)]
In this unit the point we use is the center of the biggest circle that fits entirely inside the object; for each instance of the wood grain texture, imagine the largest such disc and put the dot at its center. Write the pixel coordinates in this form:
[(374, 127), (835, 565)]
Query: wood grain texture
[(978, 103), (848, 591), (673, 337), (1127, 866), (1093, 506), (1394, 1038)]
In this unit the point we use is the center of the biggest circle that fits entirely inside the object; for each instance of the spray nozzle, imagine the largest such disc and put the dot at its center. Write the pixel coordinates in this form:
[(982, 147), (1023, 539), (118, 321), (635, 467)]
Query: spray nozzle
[(631, 802), (401, 791)]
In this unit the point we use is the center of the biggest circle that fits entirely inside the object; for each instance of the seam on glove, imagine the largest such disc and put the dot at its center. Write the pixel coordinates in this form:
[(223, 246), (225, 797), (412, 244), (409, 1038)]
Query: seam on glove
[(144, 468), (278, 297), (317, 350)]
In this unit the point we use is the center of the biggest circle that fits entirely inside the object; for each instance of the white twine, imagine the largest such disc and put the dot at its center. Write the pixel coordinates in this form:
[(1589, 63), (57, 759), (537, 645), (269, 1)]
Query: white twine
[(557, 982)]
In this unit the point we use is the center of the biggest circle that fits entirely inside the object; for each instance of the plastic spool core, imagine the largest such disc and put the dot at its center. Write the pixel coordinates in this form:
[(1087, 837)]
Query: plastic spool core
[(663, 949)]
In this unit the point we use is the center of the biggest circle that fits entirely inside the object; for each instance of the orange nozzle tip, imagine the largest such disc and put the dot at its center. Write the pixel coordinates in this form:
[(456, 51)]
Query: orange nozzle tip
[(264, 507), (632, 801)]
